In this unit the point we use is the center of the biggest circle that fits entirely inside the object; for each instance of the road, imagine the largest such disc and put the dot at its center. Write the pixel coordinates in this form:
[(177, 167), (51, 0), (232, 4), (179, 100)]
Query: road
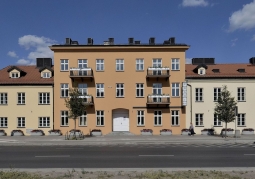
[(139, 156)]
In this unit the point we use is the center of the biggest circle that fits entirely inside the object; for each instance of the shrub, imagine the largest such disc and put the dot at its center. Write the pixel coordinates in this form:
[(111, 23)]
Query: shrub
[(228, 129), (185, 130), (165, 130), (248, 129), (96, 130), (147, 130), (55, 131)]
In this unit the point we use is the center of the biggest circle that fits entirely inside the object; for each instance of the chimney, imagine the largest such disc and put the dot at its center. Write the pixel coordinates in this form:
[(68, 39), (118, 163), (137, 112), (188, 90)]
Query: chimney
[(89, 41), (152, 41), (43, 62), (111, 41), (130, 41), (172, 40), (252, 60), (137, 42), (68, 41)]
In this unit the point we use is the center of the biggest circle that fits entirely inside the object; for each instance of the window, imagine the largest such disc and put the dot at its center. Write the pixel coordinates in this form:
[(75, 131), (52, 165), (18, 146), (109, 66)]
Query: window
[(82, 64), (240, 94), (15, 75), (139, 64), (199, 94), (64, 118), (157, 90), (3, 122), (139, 90), (176, 89), (157, 63), (201, 71), (21, 98), (21, 122), (44, 121), (100, 89), (64, 90), (241, 119), (199, 119), (100, 65), (83, 88), (175, 118), (119, 65), (100, 118), (217, 93), (64, 65), (44, 98), (46, 74), (119, 90), (83, 119), (3, 98), (216, 122), (140, 118), (175, 64), (157, 118)]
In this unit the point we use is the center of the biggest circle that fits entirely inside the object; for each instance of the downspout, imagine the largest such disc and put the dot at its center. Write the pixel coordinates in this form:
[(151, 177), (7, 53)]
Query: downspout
[(190, 102)]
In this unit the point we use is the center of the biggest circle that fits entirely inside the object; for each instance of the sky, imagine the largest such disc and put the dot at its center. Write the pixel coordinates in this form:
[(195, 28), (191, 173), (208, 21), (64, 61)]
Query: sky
[(220, 29)]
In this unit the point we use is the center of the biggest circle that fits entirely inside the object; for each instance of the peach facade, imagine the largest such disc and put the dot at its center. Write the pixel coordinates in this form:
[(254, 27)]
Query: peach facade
[(129, 104)]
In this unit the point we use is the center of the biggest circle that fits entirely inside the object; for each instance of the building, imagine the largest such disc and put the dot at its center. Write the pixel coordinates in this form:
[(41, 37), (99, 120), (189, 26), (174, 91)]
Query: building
[(205, 80), (26, 97), (128, 87)]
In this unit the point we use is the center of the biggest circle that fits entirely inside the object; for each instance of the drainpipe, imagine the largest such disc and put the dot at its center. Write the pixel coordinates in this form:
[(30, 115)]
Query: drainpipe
[(190, 102)]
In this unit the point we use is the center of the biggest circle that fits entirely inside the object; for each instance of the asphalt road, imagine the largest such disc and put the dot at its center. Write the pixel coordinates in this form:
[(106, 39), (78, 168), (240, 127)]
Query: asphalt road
[(124, 157)]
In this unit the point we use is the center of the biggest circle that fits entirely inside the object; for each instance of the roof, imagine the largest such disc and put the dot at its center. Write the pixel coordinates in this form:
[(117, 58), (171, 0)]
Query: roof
[(31, 76), (14, 67), (225, 71)]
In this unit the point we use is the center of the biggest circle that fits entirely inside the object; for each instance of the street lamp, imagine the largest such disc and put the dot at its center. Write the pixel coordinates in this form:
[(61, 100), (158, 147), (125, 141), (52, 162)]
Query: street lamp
[(190, 102)]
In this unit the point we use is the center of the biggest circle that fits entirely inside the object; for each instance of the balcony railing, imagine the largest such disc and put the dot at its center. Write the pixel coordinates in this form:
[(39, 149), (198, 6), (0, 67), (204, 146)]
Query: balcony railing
[(81, 73), (88, 100), (158, 72), (163, 99)]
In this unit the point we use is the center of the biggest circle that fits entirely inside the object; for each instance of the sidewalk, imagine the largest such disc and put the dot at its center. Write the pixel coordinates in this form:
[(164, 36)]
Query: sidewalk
[(108, 140)]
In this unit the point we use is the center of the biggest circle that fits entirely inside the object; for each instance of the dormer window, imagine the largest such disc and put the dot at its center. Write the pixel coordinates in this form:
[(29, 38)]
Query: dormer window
[(201, 71), (46, 75), (14, 75)]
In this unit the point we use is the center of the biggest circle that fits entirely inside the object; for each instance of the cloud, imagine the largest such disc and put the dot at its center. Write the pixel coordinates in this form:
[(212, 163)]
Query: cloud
[(194, 3), (23, 62), (12, 54), (38, 46), (188, 60), (233, 42), (253, 38), (243, 18)]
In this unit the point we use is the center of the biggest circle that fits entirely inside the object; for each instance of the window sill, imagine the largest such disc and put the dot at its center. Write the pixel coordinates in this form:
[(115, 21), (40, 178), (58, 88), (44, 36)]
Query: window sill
[(65, 126), (199, 126), (3, 104), (175, 96), (199, 101), (241, 101), (3, 127), (43, 104), (175, 125), (83, 126), (217, 126), (100, 97), (21, 127), (175, 70), (139, 70), (64, 96), (139, 96), (157, 125), (241, 126), (120, 96), (99, 70), (44, 127), (21, 104), (140, 125), (64, 70), (99, 126)]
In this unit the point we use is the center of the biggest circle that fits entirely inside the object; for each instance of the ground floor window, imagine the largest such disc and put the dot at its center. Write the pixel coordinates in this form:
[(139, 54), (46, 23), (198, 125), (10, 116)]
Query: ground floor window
[(44, 121), (100, 118), (83, 119), (199, 119), (21, 122), (140, 118), (241, 119), (3, 122), (216, 122), (175, 118), (157, 118), (64, 118)]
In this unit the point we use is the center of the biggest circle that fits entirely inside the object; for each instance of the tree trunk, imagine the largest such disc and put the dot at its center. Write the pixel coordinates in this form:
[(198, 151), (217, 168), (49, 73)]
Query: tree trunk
[(226, 130), (74, 123)]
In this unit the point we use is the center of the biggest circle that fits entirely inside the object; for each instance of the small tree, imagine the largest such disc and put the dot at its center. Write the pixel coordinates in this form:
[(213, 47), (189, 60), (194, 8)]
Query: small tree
[(75, 104), (225, 107)]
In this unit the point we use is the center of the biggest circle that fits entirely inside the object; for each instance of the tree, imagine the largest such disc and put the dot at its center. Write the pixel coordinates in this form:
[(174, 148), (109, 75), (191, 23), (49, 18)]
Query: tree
[(75, 104), (225, 107)]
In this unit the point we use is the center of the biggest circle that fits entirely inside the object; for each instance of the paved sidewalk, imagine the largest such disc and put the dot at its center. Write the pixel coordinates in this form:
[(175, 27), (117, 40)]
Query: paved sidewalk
[(109, 140)]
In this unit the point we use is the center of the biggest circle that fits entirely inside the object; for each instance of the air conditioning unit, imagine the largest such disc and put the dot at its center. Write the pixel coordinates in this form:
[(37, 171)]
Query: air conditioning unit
[(74, 43)]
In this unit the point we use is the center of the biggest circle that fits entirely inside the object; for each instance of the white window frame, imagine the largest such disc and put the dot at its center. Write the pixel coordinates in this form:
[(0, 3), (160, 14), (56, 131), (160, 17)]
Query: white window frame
[(44, 98), (21, 121), (100, 90), (4, 98), (199, 119), (139, 90), (100, 118), (241, 119), (83, 119), (14, 75), (216, 121), (64, 64), (120, 90), (82, 63), (140, 118), (46, 74), (83, 88), (99, 64), (157, 118), (175, 64), (176, 89), (216, 94), (21, 98), (199, 94), (3, 121), (139, 64), (64, 89), (43, 122), (175, 118), (241, 94), (120, 65), (157, 63), (64, 118)]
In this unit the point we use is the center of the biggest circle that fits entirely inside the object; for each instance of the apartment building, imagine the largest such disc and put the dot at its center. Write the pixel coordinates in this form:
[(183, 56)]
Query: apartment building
[(26, 97), (128, 87), (205, 80)]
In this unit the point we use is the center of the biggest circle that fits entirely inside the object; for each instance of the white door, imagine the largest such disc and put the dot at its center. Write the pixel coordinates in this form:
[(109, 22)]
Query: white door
[(120, 120)]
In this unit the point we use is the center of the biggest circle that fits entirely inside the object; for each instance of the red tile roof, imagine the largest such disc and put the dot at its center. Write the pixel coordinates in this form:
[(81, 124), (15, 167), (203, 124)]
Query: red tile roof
[(31, 76), (226, 71)]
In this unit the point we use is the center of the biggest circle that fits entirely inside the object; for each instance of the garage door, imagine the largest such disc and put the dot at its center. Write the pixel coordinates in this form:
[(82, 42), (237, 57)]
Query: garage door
[(120, 120)]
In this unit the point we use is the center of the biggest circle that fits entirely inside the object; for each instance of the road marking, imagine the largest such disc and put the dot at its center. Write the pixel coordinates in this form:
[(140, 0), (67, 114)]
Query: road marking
[(69, 148), (249, 154), (156, 155), (55, 156)]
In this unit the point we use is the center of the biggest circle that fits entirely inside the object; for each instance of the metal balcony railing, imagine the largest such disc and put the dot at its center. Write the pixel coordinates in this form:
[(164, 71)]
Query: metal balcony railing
[(158, 99), (81, 72), (158, 72)]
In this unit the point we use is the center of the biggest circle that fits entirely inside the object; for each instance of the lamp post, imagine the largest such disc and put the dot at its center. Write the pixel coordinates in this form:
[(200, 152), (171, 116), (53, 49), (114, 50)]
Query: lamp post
[(190, 102)]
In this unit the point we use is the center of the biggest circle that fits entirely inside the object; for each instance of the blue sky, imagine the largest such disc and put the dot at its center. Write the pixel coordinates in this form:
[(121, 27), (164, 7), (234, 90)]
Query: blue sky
[(222, 29)]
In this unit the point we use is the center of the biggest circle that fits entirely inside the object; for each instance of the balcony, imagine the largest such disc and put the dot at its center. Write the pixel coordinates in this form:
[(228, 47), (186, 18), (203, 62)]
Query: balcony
[(81, 73), (157, 73), (158, 100), (88, 100)]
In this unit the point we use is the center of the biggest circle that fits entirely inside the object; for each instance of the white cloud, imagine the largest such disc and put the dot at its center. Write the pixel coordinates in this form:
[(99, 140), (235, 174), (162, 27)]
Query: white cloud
[(233, 42), (243, 18), (23, 62), (253, 38), (188, 60), (38, 46), (12, 54), (193, 3)]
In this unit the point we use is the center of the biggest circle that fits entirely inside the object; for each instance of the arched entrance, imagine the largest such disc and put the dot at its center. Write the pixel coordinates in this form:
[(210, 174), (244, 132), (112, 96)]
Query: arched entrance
[(120, 120)]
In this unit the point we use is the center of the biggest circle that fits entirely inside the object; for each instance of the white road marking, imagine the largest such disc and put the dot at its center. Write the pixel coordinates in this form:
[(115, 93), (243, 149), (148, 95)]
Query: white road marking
[(55, 156), (156, 155)]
